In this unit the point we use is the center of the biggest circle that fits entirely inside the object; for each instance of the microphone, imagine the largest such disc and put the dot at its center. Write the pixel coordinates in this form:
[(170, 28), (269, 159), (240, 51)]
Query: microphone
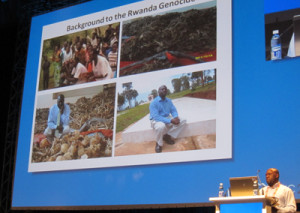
[(258, 178)]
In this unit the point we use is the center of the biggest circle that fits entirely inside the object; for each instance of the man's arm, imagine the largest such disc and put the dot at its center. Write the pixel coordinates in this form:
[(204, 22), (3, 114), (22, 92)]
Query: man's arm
[(174, 114), (107, 66), (290, 203), (51, 119)]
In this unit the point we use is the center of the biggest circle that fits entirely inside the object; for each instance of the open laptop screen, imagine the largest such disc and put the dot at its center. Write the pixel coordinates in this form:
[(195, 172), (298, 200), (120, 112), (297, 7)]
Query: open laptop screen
[(242, 186)]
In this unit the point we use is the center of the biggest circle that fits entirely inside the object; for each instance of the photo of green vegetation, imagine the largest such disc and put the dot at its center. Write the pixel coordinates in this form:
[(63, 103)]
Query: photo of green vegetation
[(134, 105)]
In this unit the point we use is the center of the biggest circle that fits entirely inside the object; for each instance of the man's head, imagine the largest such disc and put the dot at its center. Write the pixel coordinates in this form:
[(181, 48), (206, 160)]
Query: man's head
[(93, 53), (272, 176), (60, 101), (162, 91), (65, 44), (78, 45), (114, 47), (68, 48)]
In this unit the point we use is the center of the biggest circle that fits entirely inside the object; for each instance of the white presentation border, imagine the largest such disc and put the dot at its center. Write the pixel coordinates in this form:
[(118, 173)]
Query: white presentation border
[(223, 65)]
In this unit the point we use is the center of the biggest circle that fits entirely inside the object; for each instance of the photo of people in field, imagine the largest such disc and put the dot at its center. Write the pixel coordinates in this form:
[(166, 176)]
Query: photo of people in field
[(81, 57)]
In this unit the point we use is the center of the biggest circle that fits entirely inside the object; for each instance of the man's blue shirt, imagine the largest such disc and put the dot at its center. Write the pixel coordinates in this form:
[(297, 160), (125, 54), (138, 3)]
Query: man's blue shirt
[(53, 113), (160, 110)]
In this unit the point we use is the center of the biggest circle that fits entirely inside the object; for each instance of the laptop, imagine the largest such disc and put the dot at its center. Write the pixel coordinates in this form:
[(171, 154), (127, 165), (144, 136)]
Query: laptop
[(242, 186)]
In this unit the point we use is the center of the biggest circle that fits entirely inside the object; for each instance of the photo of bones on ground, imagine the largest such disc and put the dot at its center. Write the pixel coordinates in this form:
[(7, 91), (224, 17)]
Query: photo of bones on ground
[(169, 40), (91, 130)]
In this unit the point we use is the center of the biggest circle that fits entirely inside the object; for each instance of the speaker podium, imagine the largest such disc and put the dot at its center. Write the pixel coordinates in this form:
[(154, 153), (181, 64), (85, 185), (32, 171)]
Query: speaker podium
[(245, 204)]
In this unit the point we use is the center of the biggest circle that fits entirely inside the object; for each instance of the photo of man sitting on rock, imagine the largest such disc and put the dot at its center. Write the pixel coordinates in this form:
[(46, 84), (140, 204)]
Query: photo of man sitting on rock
[(171, 114)]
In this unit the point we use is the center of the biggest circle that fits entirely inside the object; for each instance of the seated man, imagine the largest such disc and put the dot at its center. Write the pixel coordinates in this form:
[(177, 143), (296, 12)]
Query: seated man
[(79, 72), (164, 119), (100, 66), (282, 197), (58, 119)]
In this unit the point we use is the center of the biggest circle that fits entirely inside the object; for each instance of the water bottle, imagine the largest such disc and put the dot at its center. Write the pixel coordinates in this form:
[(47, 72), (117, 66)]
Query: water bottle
[(255, 188), (228, 192), (221, 190), (275, 46)]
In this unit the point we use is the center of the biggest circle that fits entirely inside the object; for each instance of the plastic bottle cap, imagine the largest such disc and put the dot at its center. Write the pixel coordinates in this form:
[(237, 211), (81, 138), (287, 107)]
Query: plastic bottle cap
[(275, 31)]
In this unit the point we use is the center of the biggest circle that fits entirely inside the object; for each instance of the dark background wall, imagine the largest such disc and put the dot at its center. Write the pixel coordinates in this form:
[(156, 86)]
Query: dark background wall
[(8, 29)]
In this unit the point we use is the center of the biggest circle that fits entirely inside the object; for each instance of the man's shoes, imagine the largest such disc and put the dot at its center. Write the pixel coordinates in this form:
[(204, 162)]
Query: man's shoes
[(167, 138), (158, 148)]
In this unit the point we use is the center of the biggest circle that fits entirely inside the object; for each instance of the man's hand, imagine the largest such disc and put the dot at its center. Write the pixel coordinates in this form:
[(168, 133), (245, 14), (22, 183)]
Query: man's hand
[(60, 128), (175, 121)]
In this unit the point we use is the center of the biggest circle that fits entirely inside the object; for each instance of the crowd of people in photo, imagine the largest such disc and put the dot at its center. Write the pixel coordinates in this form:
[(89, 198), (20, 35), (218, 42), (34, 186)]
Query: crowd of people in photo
[(85, 59)]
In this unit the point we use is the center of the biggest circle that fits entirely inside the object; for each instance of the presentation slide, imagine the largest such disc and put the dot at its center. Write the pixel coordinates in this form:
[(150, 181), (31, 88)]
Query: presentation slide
[(109, 70), (153, 102)]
